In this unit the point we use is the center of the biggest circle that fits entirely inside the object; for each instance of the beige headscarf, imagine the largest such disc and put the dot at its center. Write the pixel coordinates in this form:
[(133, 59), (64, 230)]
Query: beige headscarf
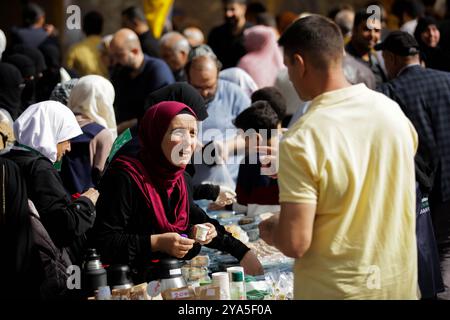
[(6, 130), (93, 97)]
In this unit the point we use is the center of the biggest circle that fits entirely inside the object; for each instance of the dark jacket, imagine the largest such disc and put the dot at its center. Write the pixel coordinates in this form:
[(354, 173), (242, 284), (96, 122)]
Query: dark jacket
[(228, 47), (66, 221), (424, 96), (122, 229), (131, 93), (52, 264), (124, 225)]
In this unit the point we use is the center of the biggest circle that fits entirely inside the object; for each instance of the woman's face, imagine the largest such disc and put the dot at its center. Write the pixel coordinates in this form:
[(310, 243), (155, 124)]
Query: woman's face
[(431, 36), (180, 140), (61, 149)]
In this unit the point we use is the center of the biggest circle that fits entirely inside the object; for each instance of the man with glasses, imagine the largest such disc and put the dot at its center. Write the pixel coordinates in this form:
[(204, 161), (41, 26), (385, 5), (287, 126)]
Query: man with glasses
[(225, 101)]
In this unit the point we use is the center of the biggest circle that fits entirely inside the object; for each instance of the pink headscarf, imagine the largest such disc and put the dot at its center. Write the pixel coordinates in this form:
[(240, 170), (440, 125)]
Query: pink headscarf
[(264, 58), (153, 173)]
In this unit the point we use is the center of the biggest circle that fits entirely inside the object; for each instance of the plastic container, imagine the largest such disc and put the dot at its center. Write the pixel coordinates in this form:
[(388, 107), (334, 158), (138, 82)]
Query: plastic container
[(250, 226), (253, 234), (230, 220), (223, 214), (237, 284)]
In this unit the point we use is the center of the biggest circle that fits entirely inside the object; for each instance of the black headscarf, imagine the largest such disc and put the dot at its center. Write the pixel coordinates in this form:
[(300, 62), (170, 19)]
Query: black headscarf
[(435, 58), (10, 91), (51, 76), (29, 94), (181, 92), (23, 63), (51, 55), (28, 71), (422, 25), (15, 228), (35, 55)]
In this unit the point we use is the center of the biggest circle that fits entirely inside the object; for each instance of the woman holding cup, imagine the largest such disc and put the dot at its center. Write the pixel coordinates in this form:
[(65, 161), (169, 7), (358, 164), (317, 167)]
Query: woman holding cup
[(143, 209)]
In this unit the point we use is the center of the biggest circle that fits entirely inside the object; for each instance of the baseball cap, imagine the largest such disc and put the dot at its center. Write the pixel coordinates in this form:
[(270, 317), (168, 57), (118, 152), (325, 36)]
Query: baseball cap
[(400, 43)]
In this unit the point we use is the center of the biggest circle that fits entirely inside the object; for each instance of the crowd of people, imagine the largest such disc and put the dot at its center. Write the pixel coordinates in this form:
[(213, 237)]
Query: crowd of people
[(337, 125)]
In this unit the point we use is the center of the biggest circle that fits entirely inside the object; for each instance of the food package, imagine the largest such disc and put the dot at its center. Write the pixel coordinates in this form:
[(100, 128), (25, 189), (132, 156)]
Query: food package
[(139, 292), (121, 294), (237, 233), (192, 274), (185, 293), (209, 292), (281, 285), (199, 261)]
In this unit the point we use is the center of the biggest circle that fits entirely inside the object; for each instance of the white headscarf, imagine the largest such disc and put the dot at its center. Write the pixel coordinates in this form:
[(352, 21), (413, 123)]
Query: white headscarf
[(93, 97), (43, 125), (241, 78), (2, 43)]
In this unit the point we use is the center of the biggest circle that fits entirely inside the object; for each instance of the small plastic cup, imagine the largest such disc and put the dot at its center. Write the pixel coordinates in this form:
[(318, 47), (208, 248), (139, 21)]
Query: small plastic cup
[(201, 232)]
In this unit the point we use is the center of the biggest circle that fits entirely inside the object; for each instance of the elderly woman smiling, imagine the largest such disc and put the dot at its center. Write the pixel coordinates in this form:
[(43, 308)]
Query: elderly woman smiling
[(143, 209)]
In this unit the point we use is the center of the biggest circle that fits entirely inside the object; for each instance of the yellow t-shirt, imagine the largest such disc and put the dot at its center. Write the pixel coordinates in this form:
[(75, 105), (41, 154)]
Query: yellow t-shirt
[(84, 57), (352, 154)]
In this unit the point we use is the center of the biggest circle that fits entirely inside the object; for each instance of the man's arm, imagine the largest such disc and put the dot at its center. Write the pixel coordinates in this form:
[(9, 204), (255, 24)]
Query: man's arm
[(291, 231)]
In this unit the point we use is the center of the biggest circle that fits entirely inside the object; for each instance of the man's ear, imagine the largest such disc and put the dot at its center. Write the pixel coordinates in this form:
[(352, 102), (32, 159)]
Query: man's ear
[(185, 55), (299, 64), (135, 51)]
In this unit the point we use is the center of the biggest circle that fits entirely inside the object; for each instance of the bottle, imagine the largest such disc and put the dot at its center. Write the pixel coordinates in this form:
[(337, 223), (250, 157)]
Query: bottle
[(237, 286), (94, 275)]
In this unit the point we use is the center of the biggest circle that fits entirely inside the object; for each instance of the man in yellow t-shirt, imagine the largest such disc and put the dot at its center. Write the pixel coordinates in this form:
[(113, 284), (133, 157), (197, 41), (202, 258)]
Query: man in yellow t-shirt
[(84, 57), (346, 178)]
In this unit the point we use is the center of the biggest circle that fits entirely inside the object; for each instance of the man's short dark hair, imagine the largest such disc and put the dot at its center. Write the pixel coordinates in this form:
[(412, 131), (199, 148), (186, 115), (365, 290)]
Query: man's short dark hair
[(315, 37), (259, 116), (31, 14), (256, 7), (93, 23), (266, 19), (225, 2), (134, 13), (274, 97)]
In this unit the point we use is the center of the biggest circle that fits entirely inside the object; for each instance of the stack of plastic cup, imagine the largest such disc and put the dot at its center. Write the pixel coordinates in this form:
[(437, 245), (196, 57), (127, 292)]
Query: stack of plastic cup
[(222, 280)]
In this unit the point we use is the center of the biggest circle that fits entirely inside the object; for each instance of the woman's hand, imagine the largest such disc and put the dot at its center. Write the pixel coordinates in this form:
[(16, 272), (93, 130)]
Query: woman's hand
[(172, 244), (251, 264), (226, 196), (212, 233), (92, 195)]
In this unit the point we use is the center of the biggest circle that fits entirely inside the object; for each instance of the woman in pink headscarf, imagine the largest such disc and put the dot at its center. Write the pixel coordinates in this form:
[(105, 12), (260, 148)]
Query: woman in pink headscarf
[(264, 58), (143, 208)]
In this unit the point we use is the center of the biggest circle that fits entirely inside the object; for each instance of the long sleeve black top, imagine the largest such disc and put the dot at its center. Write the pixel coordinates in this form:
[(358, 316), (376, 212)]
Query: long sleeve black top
[(65, 220)]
